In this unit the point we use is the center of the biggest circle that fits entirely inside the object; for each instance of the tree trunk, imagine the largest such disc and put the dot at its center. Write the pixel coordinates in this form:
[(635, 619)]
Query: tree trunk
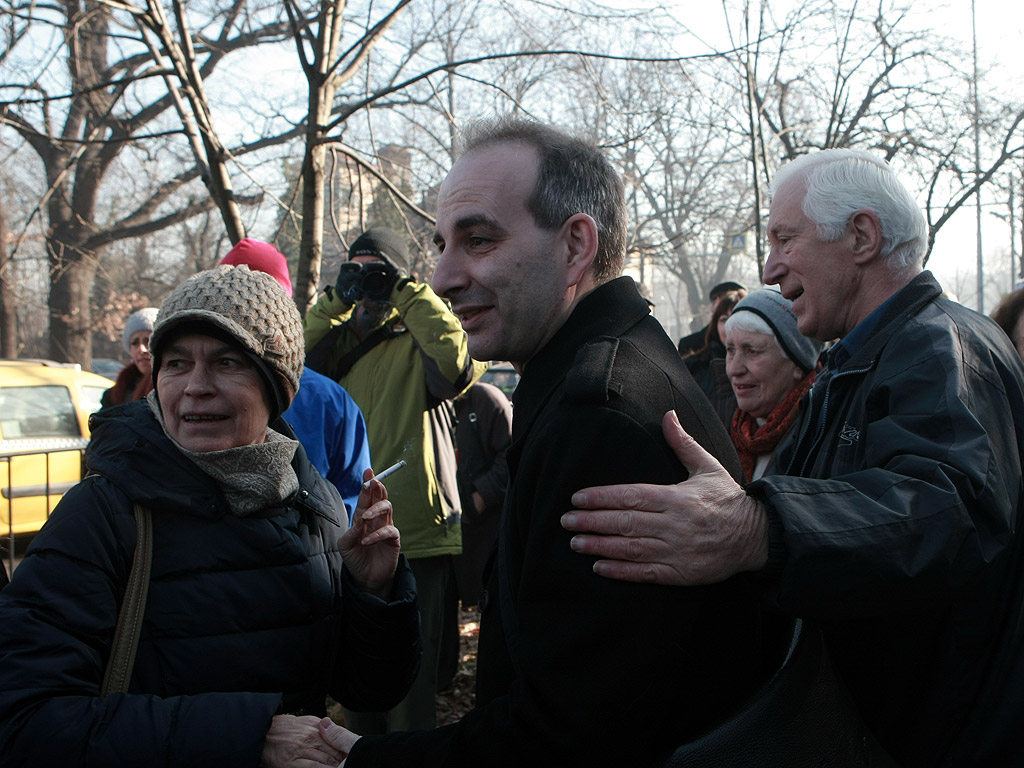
[(8, 317), (72, 274)]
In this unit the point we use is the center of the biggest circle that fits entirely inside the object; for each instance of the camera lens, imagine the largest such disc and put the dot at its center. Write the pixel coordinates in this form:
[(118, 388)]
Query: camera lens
[(376, 281)]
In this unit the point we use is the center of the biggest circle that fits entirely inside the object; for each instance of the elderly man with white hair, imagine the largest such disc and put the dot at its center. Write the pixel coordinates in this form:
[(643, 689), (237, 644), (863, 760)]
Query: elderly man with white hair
[(896, 516)]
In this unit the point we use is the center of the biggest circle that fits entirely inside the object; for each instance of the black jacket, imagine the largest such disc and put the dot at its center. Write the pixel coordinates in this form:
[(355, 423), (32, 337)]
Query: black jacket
[(901, 524), (246, 617), (575, 669)]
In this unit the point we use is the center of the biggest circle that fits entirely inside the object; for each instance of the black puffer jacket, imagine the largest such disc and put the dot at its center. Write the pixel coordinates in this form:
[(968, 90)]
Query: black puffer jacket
[(901, 527), (246, 617)]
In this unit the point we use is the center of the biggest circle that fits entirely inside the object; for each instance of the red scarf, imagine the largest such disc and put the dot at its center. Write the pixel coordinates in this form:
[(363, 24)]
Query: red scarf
[(752, 440)]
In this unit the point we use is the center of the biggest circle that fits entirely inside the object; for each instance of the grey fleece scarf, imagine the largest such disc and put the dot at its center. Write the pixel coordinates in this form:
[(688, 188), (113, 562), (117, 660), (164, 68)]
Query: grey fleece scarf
[(252, 477)]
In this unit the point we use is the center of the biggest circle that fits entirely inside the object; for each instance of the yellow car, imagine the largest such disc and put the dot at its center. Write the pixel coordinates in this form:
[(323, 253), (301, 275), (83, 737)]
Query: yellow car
[(44, 428)]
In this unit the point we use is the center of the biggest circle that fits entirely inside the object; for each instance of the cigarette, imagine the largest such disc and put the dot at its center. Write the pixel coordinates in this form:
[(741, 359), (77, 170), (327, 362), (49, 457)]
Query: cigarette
[(393, 468)]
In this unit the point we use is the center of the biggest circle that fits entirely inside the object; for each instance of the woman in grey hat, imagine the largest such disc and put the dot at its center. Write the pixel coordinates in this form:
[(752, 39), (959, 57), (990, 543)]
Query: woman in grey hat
[(259, 602), (770, 366), (136, 379)]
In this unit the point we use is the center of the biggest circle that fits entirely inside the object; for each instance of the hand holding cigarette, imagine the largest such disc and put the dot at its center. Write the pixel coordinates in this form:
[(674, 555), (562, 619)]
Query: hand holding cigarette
[(393, 468)]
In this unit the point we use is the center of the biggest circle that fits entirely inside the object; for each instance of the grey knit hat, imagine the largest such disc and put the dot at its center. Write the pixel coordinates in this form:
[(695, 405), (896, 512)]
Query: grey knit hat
[(143, 320), (249, 308), (385, 244), (777, 311)]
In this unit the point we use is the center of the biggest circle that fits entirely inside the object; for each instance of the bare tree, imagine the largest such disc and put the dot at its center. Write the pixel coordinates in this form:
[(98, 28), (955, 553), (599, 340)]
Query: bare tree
[(112, 107)]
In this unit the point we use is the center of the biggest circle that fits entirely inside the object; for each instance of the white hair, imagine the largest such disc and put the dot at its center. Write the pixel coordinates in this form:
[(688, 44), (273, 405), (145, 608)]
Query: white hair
[(751, 322), (840, 182)]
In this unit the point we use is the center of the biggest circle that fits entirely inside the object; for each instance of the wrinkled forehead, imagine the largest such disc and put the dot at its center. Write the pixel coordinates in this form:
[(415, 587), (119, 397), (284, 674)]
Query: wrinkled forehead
[(787, 204)]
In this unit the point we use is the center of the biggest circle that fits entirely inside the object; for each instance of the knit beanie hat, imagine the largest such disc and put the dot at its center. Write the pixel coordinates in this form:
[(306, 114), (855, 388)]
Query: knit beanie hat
[(261, 257), (385, 244), (143, 320), (777, 311), (247, 308)]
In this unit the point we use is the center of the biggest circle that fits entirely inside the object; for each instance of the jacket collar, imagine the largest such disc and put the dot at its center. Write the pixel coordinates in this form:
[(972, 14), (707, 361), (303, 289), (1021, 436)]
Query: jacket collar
[(907, 301), (609, 310)]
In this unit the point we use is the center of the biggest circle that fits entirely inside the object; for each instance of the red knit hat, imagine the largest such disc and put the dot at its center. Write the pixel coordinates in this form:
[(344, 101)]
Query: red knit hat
[(260, 257)]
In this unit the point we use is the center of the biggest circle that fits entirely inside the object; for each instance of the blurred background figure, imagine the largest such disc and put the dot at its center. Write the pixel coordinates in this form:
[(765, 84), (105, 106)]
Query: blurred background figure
[(483, 434), (136, 379), (401, 353), (1010, 317), (326, 420), (707, 363), (696, 340), (771, 366)]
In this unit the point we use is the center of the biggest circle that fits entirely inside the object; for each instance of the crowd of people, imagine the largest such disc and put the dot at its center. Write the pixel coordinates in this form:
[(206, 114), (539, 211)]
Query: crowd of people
[(654, 541)]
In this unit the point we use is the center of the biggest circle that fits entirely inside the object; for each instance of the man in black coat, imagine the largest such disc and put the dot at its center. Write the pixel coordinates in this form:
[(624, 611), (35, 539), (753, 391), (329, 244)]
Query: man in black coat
[(572, 669)]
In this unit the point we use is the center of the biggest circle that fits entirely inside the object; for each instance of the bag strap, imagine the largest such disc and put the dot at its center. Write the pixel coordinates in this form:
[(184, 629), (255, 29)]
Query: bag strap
[(133, 606), (317, 357), (352, 356)]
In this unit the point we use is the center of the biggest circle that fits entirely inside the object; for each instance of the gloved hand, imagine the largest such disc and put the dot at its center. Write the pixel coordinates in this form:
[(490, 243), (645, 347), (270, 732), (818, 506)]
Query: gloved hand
[(349, 282)]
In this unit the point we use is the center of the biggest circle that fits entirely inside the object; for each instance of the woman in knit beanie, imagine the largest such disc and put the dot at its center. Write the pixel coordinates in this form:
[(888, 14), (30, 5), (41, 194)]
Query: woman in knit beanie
[(136, 379), (771, 366), (260, 601)]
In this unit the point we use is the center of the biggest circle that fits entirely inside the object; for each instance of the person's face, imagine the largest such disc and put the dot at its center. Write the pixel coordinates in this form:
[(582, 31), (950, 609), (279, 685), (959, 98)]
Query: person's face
[(211, 396), (507, 278), (818, 277), (721, 325), (138, 348), (761, 376)]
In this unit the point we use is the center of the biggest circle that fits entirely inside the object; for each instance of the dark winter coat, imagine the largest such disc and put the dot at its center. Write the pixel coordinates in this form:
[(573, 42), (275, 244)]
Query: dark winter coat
[(246, 617), (900, 526), (575, 669)]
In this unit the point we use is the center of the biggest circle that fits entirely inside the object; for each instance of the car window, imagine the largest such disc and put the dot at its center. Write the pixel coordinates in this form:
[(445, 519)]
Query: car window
[(43, 411), (91, 396)]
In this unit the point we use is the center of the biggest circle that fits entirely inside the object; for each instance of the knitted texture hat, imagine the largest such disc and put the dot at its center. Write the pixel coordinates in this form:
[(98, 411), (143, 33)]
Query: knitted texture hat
[(261, 257), (385, 244), (250, 308), (777, 311), (143, 320)]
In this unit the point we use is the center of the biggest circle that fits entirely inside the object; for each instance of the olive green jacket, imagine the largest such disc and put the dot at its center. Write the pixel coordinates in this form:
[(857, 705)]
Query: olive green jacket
[(404, 385)]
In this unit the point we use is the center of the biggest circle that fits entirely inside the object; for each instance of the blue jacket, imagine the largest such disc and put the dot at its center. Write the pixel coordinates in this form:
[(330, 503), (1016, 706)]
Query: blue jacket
[(246, 617), (331, 428)]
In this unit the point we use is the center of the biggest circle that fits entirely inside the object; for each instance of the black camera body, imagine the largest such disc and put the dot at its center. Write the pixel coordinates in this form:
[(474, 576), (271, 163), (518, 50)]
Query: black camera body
[(373, 281)]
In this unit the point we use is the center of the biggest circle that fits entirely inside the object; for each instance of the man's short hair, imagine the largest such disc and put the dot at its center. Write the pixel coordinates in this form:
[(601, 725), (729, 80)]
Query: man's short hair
[(840, 182), (573, 177)]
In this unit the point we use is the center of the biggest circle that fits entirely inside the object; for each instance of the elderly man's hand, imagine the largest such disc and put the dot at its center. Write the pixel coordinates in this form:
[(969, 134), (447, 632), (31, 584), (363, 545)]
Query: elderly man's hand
[(342, 739), (297, 741), (370, 547), (700, 531)]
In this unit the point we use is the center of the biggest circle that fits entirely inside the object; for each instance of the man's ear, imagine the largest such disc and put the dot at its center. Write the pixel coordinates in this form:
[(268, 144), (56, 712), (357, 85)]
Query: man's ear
[(867, 236), (579, 233)]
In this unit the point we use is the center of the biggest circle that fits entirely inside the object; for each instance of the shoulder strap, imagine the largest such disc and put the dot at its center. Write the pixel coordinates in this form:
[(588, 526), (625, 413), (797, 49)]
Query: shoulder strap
[(133, 606), (352, 356), (317, 357)]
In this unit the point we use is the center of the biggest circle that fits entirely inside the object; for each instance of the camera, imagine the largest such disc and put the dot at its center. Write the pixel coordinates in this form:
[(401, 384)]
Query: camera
[(373, 281)]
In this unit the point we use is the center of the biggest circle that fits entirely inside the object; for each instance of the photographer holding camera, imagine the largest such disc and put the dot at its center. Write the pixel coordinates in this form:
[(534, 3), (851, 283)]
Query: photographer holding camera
[(402, 355)]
